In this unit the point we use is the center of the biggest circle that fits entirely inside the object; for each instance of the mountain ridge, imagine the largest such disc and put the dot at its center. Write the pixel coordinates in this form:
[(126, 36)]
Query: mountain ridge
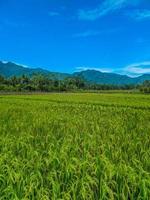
[(9, 69)]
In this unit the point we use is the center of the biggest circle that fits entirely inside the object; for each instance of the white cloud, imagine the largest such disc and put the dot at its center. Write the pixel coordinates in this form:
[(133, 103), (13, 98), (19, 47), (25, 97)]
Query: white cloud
[(25, 66), (90, 33), (53, 14), (138, 68), (108, 6), (132, 70), (4, 62), (87, 34), (140, 14), (103, 69)]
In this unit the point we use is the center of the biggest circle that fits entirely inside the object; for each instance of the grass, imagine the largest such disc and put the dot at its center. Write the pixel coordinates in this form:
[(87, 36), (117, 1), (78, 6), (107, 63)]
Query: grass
[(75, 146)]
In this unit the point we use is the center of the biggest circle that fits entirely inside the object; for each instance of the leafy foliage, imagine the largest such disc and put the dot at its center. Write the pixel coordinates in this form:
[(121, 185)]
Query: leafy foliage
[(145, 87), (39, 82)]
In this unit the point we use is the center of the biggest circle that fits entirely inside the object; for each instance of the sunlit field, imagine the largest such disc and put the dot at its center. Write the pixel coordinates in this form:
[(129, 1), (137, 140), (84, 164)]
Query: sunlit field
[(75, 146)]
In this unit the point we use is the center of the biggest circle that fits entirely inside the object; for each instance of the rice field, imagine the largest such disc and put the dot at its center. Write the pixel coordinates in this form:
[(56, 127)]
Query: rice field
[(75, 146)]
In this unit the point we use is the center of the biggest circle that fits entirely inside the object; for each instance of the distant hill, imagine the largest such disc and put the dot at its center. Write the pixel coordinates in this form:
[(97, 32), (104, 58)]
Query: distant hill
[(9, 69), (98, 77)]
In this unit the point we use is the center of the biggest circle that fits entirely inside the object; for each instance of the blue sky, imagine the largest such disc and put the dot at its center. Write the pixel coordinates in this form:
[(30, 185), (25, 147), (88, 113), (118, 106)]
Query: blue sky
[(70, 35)]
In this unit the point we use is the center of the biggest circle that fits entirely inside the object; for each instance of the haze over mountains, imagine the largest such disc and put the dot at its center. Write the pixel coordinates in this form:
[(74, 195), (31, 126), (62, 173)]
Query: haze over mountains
[(9, 69)]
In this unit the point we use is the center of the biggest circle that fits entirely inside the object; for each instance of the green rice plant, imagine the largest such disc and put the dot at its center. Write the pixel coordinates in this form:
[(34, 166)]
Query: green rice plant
[(75, 146)]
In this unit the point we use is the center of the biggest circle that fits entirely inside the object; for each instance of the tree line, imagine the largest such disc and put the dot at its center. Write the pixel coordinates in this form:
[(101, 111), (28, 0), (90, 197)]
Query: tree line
[(145, 87), (42, 83)]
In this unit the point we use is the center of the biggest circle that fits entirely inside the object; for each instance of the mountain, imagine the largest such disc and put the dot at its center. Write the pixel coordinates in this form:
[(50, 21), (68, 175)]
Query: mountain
[(9, 69), (143, 78), (98, 77)]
